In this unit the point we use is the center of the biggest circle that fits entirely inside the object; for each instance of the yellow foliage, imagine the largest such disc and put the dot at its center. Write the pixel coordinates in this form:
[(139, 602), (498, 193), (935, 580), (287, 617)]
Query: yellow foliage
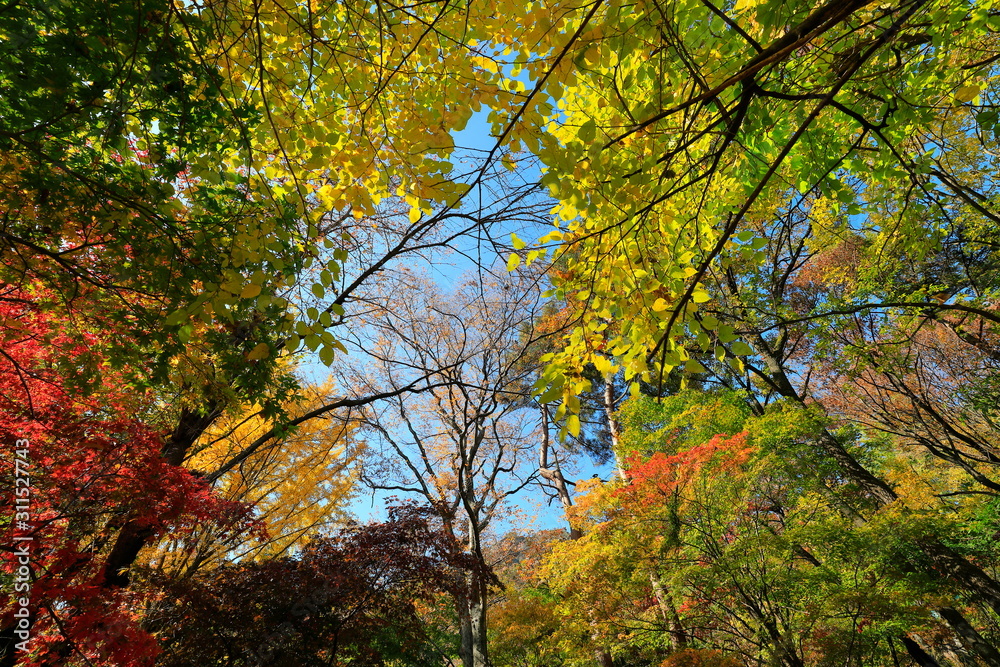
[(299, 485)]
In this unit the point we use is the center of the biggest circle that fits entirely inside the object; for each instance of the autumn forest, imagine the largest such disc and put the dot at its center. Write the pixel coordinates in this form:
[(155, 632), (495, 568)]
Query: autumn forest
[(522, 333)]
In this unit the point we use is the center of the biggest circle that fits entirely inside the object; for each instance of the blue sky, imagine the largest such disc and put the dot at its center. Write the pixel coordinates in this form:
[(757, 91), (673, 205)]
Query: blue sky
[(532, 511)]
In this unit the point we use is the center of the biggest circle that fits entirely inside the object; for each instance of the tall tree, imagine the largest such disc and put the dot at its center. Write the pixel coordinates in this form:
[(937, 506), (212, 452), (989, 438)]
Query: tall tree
[(469, 444)]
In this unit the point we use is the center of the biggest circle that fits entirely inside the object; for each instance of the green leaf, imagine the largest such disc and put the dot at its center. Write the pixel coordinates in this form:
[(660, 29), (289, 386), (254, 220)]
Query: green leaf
[(326, 355), (692, 366), (967, 93), (551, 394), (176, 317), (741, 349)]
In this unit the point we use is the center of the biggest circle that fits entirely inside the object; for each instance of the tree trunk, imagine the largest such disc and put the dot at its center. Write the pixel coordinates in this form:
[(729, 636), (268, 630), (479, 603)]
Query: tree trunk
[(472, 613), (947, 562), (677, 636), (134, 535), (614, 428), (919, 655), (477, 654), (554, 474), (970, 637)]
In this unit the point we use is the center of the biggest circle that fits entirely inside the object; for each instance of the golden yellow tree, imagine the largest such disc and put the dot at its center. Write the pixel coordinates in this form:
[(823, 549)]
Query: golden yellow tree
[(299, 484)]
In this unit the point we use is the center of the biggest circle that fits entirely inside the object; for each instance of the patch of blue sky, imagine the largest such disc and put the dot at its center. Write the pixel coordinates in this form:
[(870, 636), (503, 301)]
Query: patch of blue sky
[(478, 160)]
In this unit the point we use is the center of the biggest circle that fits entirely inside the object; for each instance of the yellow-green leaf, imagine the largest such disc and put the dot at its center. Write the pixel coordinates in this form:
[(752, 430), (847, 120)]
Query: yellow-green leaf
[(260, 351), (967, 93), (741, 349), (573, 425), (326, 355)]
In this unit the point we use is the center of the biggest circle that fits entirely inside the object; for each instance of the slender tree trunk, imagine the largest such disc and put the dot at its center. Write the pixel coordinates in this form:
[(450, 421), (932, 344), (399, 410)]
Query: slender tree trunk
[(666, 604), (555, 476), (946, 560), (615, 428), (134, 534), (554, 473)]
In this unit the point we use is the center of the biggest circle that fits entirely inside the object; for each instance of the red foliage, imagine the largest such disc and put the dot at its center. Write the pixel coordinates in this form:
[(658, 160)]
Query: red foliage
[(93, 466), (663, 476), (352, 598)]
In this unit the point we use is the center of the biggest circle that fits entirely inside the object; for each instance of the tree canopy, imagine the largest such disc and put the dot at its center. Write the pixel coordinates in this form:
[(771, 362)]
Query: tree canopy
[(746, 251)]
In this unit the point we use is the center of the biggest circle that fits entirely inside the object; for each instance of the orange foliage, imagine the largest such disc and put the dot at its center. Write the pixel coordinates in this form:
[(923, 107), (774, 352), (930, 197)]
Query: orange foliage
[(665, 475)]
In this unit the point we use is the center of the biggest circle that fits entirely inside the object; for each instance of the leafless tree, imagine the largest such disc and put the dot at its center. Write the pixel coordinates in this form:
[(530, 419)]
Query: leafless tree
[(470, 443)]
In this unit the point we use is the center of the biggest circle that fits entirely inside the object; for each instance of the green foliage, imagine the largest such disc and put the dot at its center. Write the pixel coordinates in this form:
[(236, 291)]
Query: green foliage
[(680, 421), (792, 202), (750, 545)]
